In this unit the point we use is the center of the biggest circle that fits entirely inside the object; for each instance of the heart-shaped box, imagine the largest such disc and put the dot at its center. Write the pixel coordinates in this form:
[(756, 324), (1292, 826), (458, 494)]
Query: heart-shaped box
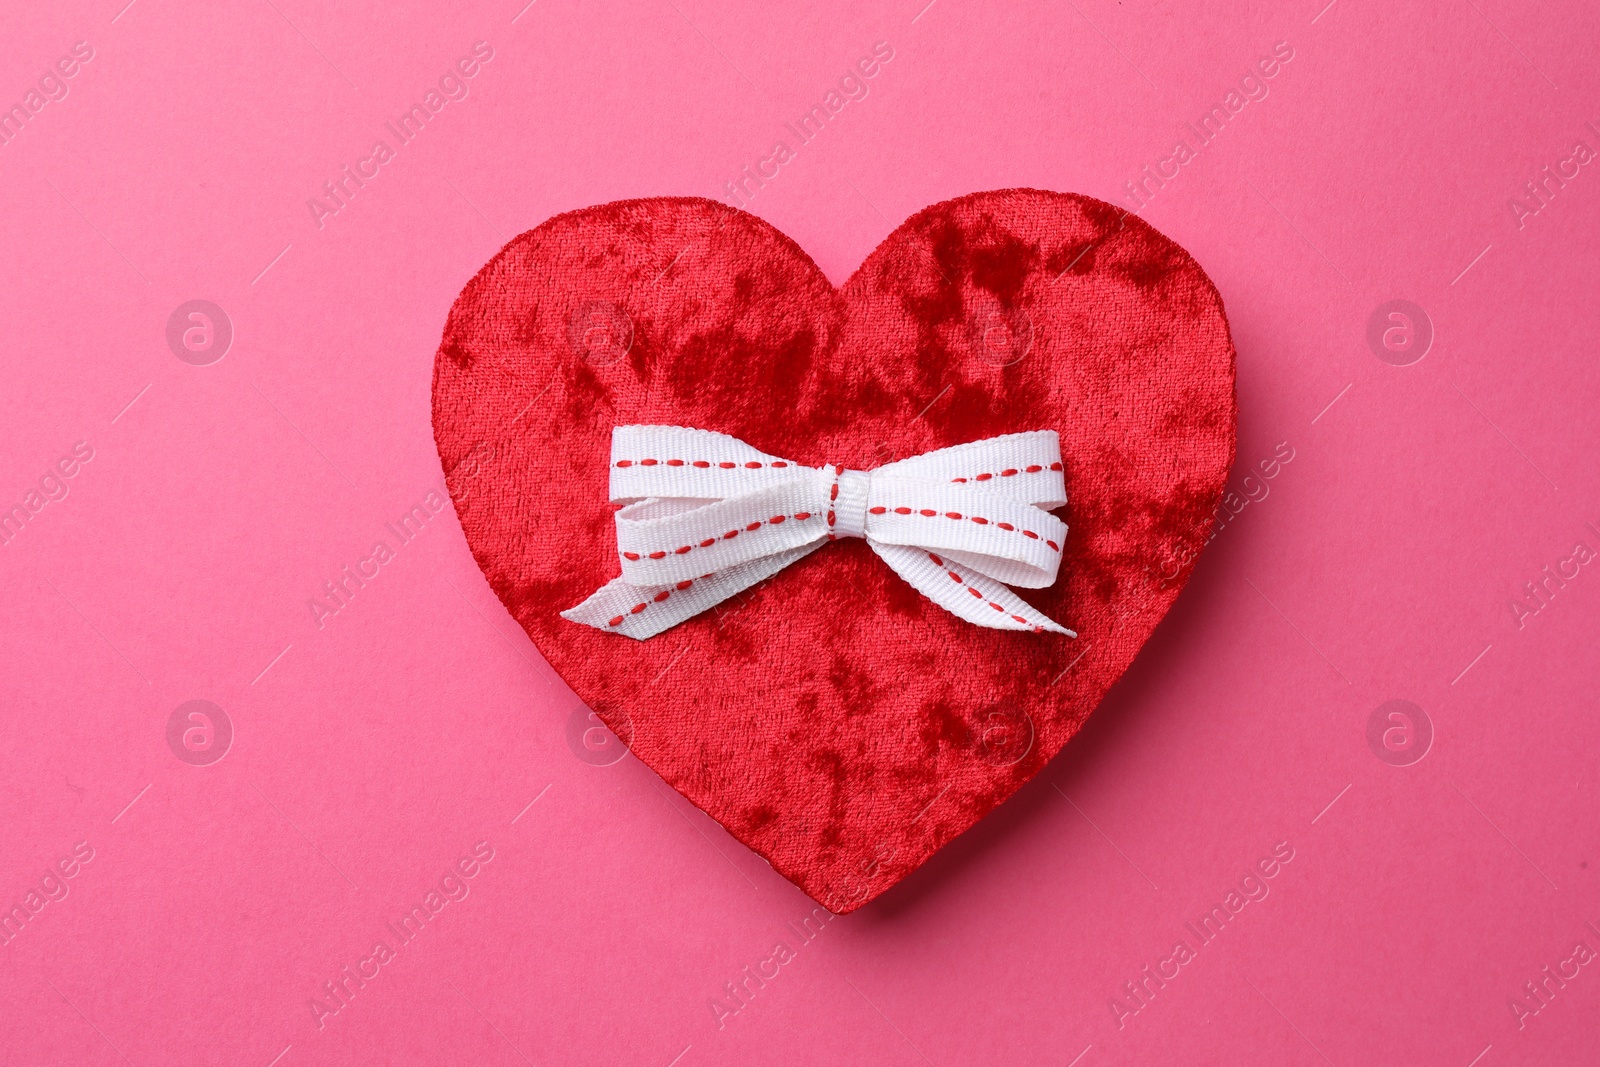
[(831, 718)]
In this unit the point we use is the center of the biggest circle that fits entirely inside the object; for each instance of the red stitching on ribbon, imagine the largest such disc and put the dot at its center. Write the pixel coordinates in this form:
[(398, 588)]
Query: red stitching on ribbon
[(658, 598), (980, 520), (833, 494), (777, 464), (776, 520), (1009, 472), (956, 577)]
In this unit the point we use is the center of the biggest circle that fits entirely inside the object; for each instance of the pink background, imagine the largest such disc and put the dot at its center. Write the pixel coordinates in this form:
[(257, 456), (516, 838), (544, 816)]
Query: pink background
[(372, 753)]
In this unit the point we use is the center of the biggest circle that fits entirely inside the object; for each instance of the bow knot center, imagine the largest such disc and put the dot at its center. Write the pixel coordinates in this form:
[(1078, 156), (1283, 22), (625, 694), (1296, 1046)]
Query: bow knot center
[(847, 502)]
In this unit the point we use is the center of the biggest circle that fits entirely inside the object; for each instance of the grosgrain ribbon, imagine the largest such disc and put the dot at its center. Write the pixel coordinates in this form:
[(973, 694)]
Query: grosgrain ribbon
[(708, 516)]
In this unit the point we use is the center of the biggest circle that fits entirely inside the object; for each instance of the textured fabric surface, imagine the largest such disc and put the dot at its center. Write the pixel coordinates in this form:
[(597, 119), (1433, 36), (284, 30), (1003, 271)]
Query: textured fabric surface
[(830, 717)]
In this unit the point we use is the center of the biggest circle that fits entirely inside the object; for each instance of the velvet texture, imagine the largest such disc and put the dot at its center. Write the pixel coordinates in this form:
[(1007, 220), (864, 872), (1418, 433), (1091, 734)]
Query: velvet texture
[(831, 718)]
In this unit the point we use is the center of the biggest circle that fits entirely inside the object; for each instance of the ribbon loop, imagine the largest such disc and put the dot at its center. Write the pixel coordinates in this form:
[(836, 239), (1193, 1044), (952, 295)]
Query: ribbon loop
[(717, 534), (706, 516), (1023, 465), (674, 461), (1023, 542)]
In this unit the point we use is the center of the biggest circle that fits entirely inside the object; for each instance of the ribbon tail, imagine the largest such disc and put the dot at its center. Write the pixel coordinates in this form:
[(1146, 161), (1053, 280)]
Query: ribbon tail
[(642, 611), (964, 592)]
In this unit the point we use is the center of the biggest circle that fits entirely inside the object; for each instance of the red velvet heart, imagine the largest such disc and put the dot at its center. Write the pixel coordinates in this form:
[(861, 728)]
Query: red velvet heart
[(832, 718)]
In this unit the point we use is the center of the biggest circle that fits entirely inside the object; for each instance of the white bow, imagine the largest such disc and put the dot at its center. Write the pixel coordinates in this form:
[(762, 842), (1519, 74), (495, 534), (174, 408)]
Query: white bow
[(708, 516)]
